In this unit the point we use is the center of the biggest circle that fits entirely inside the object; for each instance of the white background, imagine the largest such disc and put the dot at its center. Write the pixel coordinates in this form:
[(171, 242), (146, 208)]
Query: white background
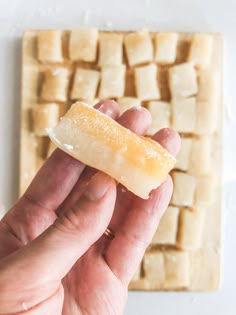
[(202, 15)]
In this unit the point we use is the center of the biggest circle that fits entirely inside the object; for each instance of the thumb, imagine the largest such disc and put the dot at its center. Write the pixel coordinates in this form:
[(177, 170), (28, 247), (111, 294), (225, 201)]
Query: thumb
[(50, 256)]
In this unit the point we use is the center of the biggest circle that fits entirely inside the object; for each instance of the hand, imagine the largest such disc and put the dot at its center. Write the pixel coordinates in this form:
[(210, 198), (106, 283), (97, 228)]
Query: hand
[(54, 257)]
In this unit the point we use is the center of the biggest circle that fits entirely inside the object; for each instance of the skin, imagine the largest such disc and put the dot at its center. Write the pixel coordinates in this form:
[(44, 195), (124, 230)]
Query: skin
[(54, 257)]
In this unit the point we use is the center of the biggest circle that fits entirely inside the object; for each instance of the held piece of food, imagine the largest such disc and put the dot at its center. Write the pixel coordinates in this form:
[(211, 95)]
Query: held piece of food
[(98, 141)]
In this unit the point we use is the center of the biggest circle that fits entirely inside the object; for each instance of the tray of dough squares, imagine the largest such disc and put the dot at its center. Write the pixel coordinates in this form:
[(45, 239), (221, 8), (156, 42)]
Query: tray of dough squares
[(178, 78)]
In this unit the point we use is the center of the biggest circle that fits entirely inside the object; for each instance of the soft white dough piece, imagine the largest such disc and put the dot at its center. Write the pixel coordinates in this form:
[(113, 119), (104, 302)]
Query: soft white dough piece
[(110, 49), (154, 268), (183, 80), (177, 269), (50, 46), (85, 84), (146, 83), (160, 112), (183, 157), (205, 191), (139, 48), (184, 114), (201, 49), (208, 100), (165, 47), (55, 85), (83, 44), (44, 116), (138, 163), (112, 82), (167, 229), (184, 189), (201, 156), (167, 269), (190, 230)]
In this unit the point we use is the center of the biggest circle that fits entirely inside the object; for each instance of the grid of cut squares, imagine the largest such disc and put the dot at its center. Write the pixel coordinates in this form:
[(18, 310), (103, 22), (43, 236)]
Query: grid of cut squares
[(105, 50), (191, 110)]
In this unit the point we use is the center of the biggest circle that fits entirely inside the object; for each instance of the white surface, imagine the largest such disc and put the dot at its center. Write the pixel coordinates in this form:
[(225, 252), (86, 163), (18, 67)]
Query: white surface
[(201, 15)]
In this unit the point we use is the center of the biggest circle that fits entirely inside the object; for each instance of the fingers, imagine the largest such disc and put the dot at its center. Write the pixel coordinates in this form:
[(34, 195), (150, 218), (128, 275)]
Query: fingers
[(109, 108), (138, 225), (55, 251), (169, 139), (60, 172), (35, 211), (136, 119)]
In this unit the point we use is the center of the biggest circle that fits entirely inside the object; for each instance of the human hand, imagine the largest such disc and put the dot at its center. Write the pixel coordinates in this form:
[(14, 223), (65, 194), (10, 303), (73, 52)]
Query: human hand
[(54, 257)]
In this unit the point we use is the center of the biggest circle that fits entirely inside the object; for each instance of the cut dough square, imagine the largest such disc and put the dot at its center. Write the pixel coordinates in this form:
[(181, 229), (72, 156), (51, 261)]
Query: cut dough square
[(184, 114), (183, 80), (167, 230), (112, 82), (55, 85), (146, 82), (177, 270), (83, 45), (126, 103), (110, 49), (190, 229), (165, 47), (201, 156), (44, 116), (205, 192), (85, 84), (184, 189), (183, 157), (209, 82), (50, 46), (154, 268), (207, 102), (201, 49), (160, 112), (139, 48)]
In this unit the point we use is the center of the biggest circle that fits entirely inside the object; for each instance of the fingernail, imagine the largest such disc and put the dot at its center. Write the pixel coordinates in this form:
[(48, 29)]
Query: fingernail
[(98, 186)]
